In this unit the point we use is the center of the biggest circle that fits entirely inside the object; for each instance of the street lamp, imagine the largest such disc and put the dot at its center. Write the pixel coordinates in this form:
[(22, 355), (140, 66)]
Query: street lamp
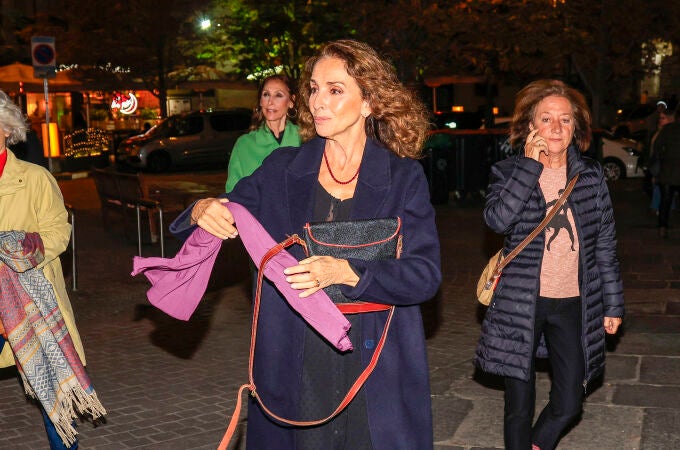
[(204, 24)]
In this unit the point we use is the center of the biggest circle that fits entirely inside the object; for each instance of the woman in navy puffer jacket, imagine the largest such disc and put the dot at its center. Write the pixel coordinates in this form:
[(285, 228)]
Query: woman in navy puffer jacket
[(563, 292)]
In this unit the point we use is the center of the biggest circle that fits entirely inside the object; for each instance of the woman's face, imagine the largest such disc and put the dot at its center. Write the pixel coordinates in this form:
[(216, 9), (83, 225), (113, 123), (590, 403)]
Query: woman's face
[(554, 119), (275, 100), (335, 100)]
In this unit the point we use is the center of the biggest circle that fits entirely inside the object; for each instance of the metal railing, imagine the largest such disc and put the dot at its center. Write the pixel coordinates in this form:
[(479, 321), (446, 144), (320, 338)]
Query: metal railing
[(150, 205)]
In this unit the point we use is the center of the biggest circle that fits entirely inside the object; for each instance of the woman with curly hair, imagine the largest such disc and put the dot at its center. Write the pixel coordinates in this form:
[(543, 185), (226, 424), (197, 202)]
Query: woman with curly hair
[(361, 130)]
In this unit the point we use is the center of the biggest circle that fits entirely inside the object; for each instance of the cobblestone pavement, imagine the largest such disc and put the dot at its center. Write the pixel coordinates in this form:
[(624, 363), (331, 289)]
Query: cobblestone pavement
[(169, 384)]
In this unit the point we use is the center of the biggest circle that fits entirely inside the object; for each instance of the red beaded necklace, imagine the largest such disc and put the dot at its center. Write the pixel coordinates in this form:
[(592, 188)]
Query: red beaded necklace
[(330, 172)]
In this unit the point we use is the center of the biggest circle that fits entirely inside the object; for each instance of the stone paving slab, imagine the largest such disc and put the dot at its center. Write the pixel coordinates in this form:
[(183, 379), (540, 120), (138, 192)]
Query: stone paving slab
[(647, 396), (657, 324), (172, 385), (659, 370), (667, 344), (661, 429)]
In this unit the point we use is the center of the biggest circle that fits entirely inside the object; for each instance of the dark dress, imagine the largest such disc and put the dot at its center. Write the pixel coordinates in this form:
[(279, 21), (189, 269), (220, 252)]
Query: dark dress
[(327, 374), (281, 195)]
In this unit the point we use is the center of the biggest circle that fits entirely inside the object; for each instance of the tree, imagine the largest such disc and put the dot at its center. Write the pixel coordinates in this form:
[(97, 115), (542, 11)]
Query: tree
[(274, 35), (589, 43), (400, 30)]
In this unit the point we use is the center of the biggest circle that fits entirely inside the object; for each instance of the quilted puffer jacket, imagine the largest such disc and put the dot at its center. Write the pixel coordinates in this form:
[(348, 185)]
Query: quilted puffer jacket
[(514, 207)]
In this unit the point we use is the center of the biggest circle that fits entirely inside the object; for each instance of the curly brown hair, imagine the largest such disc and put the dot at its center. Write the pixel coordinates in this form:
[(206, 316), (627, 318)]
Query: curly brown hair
[(258, 118), (531, 95), (399, 119)]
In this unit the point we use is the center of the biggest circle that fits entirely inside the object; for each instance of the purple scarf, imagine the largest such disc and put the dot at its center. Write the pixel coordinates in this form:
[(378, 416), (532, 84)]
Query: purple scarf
[(178, 284)]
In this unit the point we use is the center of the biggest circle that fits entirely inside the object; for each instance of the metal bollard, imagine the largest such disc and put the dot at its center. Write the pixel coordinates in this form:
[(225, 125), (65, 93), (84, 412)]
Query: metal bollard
[(74, 265)]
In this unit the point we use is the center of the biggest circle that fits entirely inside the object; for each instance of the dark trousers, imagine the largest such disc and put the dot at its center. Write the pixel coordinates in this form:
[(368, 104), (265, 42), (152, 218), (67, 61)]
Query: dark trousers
[(559, 320), (667, 192)]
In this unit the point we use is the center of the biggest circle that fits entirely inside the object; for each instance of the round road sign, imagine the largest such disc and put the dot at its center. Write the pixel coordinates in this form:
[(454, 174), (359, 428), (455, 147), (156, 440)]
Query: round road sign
[(44, 54)]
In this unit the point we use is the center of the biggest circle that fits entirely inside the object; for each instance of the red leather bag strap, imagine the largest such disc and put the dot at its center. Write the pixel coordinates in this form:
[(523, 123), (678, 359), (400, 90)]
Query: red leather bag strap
[(351, 393)]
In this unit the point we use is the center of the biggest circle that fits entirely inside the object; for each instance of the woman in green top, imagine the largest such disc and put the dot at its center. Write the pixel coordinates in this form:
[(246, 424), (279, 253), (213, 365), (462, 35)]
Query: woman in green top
[(270, 129)]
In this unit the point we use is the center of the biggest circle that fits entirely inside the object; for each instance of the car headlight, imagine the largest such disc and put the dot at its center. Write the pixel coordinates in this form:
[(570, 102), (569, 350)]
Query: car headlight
[(632, 151), (131, 150)]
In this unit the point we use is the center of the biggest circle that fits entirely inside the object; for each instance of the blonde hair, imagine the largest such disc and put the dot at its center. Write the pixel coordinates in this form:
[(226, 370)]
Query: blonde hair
[(12, 120), (399, 119)]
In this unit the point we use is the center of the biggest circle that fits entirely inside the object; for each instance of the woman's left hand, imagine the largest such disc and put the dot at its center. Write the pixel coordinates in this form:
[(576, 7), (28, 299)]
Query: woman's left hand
[(318, 272), (611, 324)]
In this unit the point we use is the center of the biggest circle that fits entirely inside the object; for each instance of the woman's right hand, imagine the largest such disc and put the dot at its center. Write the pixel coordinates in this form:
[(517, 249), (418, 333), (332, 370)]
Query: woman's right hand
[(534, 145), (212, 215)]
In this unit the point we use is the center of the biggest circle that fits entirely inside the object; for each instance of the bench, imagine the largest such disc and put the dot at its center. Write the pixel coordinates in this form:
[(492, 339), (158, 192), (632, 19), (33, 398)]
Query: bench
[(122, 193)]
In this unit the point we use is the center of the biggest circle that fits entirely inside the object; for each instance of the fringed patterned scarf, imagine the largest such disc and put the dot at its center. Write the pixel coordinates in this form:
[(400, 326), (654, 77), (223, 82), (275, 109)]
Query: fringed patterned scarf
[(46, 358)]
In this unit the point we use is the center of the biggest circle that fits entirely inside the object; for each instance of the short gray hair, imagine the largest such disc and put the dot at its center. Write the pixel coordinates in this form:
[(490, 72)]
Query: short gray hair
[(12, 120)]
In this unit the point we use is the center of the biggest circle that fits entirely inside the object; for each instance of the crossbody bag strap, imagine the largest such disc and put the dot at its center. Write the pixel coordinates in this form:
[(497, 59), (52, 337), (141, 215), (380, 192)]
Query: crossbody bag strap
[(538, 229), (351, 393)]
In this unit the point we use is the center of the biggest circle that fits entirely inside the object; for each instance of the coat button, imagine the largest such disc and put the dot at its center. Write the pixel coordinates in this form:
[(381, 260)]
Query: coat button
[(369, 343)]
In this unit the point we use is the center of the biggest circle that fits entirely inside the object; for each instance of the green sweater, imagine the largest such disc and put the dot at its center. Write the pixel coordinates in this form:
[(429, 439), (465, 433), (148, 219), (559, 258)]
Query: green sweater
[(251, 149)]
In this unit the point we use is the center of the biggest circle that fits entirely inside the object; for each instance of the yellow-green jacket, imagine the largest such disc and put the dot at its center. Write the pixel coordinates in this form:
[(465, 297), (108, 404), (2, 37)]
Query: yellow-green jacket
[(30, 200)]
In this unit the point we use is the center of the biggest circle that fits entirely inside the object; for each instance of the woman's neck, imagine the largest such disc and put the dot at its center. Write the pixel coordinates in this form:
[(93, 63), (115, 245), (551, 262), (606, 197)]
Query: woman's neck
[(345, 153), (554, 161), (277, 126)]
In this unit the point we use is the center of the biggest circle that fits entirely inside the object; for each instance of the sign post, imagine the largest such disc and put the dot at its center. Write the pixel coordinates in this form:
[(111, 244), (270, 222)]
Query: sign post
[(45, 66)]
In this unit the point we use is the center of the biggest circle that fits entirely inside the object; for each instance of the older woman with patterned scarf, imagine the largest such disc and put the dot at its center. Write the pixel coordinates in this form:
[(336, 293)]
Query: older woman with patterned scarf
[(37, 329)]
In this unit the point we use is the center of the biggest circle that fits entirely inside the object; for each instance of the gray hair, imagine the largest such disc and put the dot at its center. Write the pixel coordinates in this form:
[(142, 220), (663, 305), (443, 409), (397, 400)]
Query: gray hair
[(12, 120)]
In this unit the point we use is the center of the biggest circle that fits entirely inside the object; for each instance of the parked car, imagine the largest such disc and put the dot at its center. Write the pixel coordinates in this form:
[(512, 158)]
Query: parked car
[(190, 139), (498, 122), (458, 120), (621, 157), (634, 121)]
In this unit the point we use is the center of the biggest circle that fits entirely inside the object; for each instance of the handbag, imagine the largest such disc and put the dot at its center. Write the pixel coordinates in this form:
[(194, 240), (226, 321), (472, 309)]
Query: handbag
[(372, 239), (486, 285)]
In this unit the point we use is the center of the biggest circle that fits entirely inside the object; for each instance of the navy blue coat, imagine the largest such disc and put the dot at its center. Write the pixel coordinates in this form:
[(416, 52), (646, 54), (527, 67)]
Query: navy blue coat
[(514, 207), (280, 195)]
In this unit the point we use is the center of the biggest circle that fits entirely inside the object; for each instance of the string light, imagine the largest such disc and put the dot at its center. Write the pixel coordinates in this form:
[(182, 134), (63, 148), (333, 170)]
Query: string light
[(90, 142)]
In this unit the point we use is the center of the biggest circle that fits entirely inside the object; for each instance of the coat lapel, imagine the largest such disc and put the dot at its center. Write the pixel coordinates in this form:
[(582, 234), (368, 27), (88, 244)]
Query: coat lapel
[(303, 173), (301, 178), (574, 162), (374, 181)]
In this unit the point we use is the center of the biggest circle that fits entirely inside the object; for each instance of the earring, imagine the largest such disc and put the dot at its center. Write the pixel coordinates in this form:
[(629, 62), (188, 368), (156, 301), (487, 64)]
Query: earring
[(292, 112)]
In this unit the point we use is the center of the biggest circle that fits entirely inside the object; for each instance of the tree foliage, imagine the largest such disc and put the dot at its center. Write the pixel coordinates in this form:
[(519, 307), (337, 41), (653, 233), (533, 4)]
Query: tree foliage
[(597, 45), (275, 35), (593, 44)]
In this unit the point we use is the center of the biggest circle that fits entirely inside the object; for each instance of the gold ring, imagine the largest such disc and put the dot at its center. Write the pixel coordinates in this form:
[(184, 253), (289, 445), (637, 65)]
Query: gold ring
[(318, 283)]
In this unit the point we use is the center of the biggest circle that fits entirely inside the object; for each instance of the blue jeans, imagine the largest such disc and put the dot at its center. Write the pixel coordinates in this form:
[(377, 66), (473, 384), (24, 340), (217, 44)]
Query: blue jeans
[(559, 320), (53, 438)]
